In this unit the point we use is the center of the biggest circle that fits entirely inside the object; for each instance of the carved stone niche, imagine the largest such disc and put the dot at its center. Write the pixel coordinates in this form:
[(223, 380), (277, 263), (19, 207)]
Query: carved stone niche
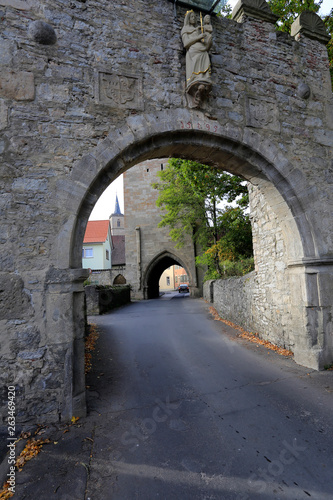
[(119, 90), (257, 9), (310, 25)]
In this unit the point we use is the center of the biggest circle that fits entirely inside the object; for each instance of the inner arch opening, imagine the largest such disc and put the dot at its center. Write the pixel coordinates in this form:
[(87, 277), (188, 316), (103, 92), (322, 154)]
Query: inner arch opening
[(155, 270)]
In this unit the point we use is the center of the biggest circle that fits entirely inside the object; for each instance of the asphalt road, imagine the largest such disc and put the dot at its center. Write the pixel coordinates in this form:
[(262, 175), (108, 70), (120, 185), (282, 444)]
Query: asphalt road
[(185, 411)]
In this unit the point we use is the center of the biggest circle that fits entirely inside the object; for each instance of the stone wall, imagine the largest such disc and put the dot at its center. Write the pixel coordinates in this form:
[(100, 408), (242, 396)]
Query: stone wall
[(103, 299), (106, 277), (103, 90), (260, 301)]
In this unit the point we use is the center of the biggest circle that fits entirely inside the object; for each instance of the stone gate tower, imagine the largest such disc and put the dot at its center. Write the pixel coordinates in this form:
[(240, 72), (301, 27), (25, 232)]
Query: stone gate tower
[(90, 89), (149, 249)]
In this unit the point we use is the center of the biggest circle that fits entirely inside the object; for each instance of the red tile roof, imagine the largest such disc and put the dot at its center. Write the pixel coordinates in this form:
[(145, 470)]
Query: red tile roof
[(96, 231)]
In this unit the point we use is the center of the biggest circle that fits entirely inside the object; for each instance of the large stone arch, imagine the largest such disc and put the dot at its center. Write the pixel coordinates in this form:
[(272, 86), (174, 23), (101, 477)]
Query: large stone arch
[(64, 138), (180, 133), (243, 152), (155, 268)]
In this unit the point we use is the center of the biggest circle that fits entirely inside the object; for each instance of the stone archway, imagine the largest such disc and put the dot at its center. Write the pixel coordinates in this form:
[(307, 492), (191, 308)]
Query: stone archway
[(155, 268), (76, 114), (245, 153), (176, 133)]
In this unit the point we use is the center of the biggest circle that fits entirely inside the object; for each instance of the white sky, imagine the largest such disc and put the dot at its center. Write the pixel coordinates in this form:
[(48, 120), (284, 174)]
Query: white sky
[(106, 203)]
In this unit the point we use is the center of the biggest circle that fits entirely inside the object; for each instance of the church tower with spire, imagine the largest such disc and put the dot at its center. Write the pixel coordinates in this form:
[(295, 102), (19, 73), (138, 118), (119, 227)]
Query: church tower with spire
[(117, 220)]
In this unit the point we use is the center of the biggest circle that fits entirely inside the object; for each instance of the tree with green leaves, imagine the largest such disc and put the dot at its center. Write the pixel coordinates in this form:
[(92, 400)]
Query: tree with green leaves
[(191, 195), (328, 20)]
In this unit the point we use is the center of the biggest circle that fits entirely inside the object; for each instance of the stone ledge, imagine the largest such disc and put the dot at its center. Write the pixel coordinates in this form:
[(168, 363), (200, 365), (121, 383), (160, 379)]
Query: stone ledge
[(313, 262), (57, 276)]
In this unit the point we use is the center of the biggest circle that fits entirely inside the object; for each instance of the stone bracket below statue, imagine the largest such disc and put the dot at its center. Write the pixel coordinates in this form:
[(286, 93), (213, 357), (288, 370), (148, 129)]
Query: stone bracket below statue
[(198, 93)]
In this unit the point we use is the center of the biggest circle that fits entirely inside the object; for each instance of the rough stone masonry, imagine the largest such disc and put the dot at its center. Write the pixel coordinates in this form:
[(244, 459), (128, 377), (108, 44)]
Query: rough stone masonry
[(90, 88)]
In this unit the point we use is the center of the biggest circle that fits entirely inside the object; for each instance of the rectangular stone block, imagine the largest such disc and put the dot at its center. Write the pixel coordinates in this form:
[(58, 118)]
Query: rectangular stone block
[(18, 85), (3, 114), (19, 4)]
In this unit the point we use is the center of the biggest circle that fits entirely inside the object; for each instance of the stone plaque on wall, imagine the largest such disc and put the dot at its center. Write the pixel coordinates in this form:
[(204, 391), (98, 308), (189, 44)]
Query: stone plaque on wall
[(119, 90), (19, 4), (262, 113)]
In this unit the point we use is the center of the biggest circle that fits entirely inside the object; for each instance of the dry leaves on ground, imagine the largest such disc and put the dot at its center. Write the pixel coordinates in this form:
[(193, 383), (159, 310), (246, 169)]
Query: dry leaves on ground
[(32, 448), (252, 337), (5, 494), (90, 344)]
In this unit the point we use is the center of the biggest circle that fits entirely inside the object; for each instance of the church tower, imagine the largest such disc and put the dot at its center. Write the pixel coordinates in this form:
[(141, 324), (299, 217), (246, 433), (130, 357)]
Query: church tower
[(117, 220)]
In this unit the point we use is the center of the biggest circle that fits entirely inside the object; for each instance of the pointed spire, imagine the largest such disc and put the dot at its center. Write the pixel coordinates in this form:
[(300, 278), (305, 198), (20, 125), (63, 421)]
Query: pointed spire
[(117, 210)]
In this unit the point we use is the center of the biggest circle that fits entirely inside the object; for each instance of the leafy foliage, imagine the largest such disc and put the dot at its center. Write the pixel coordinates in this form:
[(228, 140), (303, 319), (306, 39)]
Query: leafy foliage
[(191, 194), (328, 20), (289, 10)]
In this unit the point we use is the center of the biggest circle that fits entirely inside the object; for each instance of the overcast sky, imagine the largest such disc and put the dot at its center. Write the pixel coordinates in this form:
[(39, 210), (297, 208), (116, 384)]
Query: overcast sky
[(106, 203)]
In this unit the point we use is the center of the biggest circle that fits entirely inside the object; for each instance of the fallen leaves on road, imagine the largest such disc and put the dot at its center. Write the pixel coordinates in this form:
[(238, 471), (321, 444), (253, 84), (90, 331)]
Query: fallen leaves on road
[(32, 448), (90, 344), (252, 337), (5, 494)]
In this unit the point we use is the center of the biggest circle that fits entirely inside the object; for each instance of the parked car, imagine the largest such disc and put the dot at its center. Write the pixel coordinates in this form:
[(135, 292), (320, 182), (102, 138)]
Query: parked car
[(183, 289)]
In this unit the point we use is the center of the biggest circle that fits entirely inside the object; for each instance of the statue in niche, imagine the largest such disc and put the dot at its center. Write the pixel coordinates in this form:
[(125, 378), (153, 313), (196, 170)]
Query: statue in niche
[(197, 41)]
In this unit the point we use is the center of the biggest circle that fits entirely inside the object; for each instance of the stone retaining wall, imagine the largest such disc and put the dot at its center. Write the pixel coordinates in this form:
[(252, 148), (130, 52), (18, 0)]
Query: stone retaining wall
[(102, 299)]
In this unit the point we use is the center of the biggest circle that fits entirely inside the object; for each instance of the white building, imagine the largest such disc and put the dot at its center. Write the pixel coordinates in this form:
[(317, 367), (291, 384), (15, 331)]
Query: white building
[(97, 245)]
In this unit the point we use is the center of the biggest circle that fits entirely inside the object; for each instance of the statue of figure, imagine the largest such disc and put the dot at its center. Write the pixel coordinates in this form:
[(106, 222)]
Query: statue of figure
[(197, 41)]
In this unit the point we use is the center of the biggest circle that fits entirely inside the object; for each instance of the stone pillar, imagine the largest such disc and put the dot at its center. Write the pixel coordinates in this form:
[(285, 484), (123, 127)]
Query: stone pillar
[(256, 9), (312, 281), (66, 330), (310, 25)]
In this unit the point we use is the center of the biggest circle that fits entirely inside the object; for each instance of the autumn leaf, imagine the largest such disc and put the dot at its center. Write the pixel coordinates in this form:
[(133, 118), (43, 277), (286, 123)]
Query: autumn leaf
[(32, 448), (90, 344), (5, 493)]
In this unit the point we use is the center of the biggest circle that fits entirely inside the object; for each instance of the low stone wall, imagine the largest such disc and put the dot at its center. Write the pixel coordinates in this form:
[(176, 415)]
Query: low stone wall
[(239, 300), (100, 300), (233, 298), (102, 277)]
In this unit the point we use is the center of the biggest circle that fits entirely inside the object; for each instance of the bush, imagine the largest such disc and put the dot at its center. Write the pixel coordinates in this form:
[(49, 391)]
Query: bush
[(237, 267), (229, 268)]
